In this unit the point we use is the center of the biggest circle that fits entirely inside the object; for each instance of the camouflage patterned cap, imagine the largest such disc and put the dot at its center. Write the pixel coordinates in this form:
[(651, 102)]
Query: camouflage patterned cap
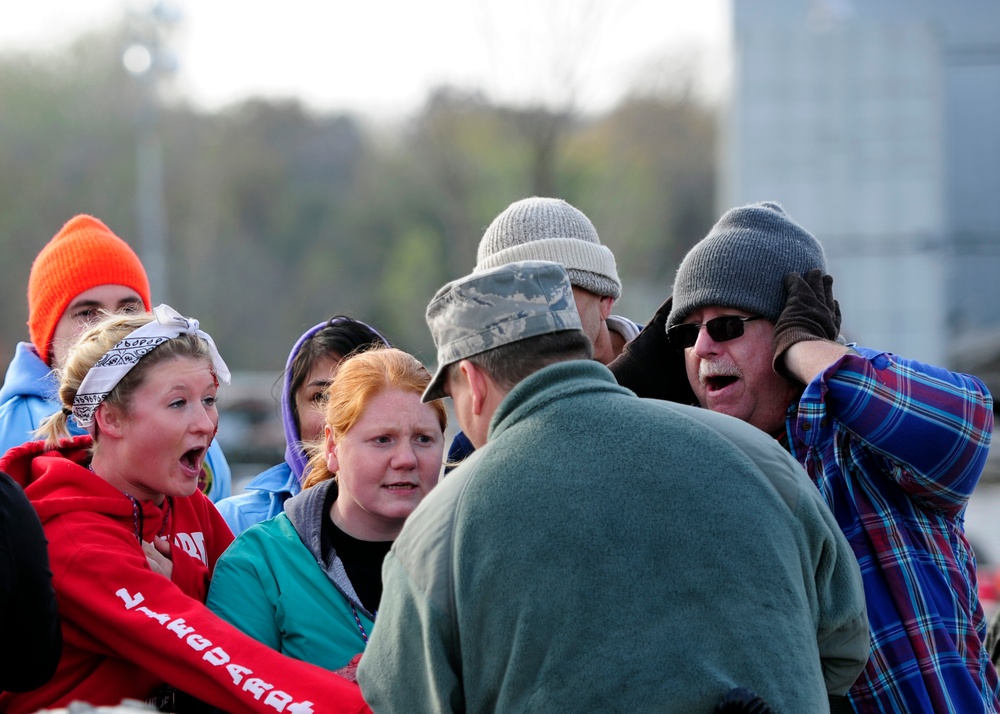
[(495, 307)]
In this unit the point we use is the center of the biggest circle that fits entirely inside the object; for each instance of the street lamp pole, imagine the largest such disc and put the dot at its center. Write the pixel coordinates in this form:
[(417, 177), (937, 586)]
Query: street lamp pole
[(148, 60)]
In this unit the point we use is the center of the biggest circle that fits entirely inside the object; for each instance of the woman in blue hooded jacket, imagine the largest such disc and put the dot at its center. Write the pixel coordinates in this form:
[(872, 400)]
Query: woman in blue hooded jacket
[(308, 372)]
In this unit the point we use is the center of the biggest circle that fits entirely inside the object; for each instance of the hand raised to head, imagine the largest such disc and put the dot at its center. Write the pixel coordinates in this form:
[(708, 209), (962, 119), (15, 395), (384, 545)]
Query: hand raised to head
[(810, 313)]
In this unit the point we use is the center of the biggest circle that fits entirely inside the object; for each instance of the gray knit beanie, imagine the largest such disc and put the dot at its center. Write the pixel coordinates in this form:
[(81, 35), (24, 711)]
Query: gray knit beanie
[(553, 230), (742, 263)]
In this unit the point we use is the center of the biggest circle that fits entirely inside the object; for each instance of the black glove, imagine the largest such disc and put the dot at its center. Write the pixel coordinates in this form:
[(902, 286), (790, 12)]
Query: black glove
[(810, 313), (650, 367), (741, 701)]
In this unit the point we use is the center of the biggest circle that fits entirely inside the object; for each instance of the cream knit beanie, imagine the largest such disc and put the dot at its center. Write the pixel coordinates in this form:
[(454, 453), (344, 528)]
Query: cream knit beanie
[(551, 229)]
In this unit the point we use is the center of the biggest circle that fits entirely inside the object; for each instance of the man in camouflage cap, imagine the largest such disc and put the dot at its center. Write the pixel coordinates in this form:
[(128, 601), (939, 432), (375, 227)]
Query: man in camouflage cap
[(497, 307), (492, 309), (600, 552)]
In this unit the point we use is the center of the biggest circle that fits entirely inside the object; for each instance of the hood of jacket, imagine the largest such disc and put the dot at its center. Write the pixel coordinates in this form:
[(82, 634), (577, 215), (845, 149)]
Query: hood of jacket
[(59, 481), (306, 513), (28, 376), (295, 455)]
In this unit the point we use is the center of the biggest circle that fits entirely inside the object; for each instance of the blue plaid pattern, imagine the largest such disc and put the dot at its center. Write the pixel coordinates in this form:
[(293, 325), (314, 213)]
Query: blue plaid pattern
[(896, 448)]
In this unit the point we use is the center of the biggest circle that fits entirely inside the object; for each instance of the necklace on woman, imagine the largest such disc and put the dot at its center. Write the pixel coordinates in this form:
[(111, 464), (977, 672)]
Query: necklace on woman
[(357, 619), (138, 518)]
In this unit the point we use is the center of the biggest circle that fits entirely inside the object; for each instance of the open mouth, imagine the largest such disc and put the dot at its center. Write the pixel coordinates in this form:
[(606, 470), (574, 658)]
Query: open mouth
[(719, 382), (192, 459), (401, 486)]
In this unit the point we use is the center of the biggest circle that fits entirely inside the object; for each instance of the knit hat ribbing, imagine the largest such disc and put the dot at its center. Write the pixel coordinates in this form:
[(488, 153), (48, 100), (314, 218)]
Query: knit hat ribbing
[(550, 229), (84, 254), (742, 263)]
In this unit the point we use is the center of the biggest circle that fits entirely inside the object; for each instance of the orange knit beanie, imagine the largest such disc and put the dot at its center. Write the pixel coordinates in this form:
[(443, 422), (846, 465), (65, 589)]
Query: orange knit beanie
[(84, 254)]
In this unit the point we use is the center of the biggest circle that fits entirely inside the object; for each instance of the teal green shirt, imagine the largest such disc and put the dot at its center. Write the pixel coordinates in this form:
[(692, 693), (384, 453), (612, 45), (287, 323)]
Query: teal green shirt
[(271, 587)]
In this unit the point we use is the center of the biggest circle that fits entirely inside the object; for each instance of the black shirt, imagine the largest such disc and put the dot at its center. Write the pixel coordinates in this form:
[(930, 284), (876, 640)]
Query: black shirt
[(362, 559)]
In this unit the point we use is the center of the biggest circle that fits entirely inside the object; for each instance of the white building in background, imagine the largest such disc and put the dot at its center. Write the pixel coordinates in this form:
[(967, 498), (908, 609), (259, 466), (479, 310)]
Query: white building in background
[(876, 124)]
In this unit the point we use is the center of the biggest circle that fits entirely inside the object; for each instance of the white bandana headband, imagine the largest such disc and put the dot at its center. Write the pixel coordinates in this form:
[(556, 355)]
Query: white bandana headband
[(110, 369)]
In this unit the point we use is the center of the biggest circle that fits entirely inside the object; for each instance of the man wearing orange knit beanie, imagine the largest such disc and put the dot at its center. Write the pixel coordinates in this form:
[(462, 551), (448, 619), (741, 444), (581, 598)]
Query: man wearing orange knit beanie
[(85, 268)]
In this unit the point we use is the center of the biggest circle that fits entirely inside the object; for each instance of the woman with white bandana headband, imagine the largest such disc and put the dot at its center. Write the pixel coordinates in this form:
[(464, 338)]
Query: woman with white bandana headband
[(133, 542), (83, 270)]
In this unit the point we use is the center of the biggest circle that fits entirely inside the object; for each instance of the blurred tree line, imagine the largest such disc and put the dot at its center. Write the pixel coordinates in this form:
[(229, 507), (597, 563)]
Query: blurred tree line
[(278, 217)]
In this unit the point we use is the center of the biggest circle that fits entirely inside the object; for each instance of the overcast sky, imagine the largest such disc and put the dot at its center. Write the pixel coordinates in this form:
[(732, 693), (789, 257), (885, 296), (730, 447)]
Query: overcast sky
[(381, 56)]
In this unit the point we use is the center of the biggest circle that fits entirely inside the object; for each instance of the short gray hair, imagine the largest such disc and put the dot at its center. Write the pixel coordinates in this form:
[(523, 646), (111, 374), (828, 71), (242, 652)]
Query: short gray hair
[(509, 364)]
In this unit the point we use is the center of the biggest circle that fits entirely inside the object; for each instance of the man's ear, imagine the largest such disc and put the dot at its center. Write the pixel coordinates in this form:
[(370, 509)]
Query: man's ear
[(110, 419), (479, 384), (607, 305)]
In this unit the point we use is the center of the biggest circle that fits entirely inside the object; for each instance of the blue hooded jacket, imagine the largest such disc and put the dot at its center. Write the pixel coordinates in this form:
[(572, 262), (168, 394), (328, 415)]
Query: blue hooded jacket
[(265, 495), (29, 394)]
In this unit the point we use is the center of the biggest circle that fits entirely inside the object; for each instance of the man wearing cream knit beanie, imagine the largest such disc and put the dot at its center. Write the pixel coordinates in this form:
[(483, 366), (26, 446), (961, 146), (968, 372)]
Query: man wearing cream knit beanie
[(83, 269), (551, 229)]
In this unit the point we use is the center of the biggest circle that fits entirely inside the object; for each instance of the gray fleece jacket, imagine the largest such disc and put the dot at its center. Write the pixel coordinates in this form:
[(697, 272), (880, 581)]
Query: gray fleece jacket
[(608, 553)]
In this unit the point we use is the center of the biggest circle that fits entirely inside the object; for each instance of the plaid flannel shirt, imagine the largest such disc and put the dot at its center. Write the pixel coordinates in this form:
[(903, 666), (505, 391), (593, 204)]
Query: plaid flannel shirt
[(896, 448)]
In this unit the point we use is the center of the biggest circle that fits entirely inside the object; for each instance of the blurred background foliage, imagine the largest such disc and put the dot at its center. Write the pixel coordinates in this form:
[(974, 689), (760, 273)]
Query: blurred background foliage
[(278, 216)]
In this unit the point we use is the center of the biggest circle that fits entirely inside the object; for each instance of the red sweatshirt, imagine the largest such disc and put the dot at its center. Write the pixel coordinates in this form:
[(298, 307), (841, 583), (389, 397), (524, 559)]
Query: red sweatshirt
[(126, 629)]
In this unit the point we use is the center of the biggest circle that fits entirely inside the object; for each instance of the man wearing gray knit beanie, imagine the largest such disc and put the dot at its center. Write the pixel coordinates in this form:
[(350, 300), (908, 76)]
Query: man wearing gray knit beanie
[(551, 229), (896, 447)]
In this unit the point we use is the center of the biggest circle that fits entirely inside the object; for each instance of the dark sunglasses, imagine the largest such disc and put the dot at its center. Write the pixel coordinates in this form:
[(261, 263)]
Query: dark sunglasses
[(720, 329)]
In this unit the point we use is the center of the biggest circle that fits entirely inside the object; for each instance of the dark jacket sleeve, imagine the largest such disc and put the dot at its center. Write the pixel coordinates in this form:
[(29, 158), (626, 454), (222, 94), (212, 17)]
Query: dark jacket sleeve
[(29, 624), (650, 367)]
